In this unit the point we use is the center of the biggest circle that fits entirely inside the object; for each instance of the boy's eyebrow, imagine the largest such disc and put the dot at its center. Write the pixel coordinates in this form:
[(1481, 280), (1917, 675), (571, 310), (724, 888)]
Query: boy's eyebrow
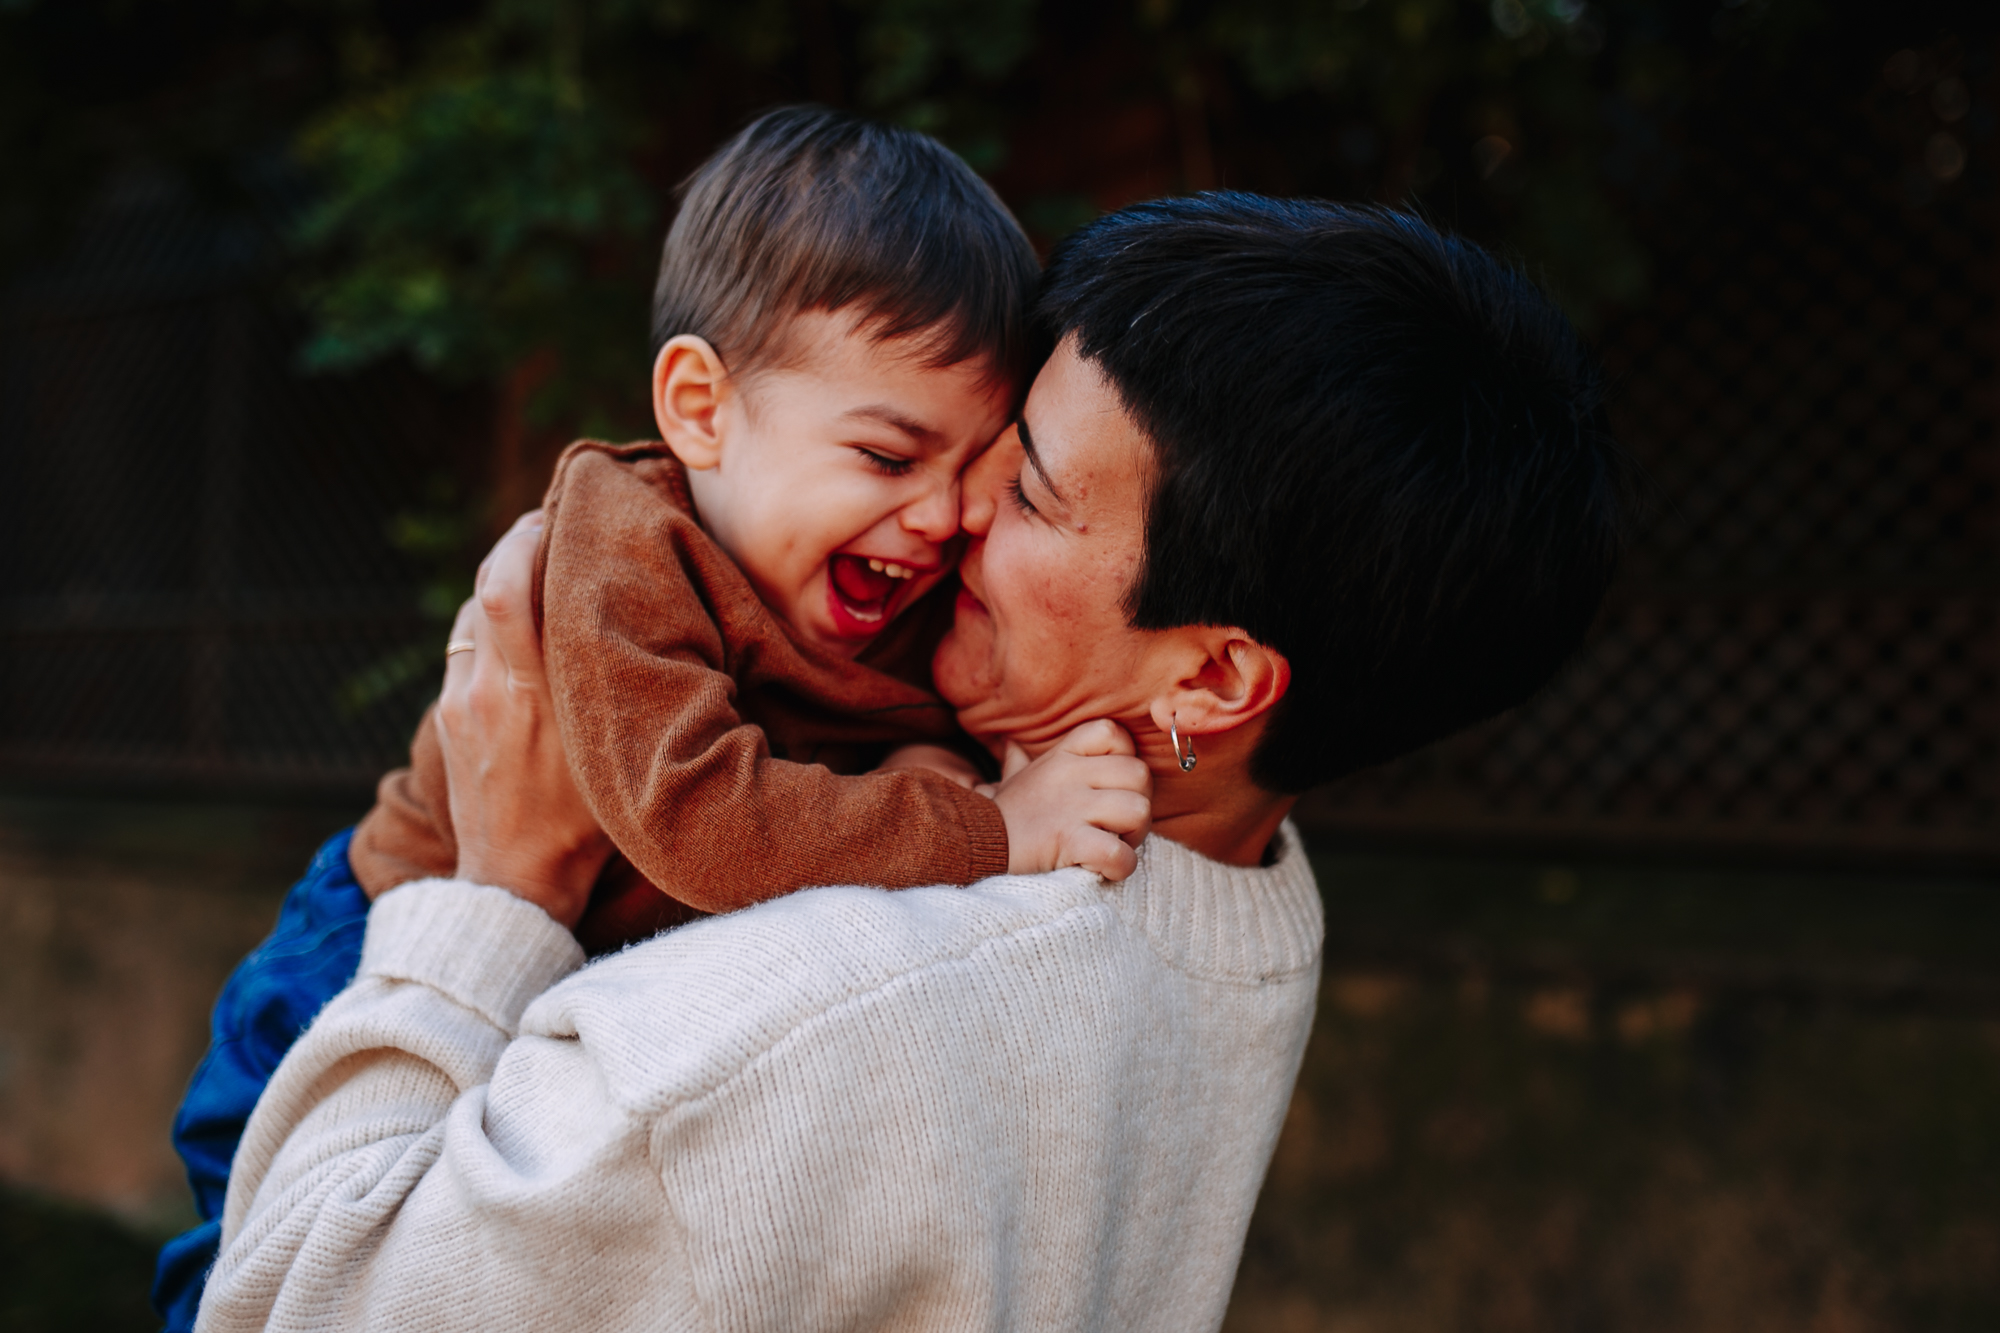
[(1035, 459), (895, 420)]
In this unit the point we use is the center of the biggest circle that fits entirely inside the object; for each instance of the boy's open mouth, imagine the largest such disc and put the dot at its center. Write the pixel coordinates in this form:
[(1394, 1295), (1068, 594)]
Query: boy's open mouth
[(862, 592)]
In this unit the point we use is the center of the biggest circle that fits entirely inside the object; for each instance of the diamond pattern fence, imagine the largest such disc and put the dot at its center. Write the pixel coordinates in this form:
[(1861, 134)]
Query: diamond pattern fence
[(197, 583), (1802, 651)]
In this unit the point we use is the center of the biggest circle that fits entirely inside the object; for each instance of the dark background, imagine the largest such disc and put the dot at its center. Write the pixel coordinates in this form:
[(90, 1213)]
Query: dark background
[(1669, 1000)]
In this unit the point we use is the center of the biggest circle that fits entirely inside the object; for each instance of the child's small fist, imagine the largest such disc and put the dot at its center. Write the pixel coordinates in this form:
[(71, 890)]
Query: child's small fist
[(1087, 802)]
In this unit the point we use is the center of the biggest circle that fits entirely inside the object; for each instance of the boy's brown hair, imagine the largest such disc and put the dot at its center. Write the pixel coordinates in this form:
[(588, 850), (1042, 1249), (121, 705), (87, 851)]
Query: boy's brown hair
[(813, 209)]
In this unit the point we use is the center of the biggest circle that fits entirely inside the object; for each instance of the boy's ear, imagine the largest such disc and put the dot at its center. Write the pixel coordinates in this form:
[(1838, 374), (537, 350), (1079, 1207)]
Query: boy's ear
[(1224, 679), (690, 384)]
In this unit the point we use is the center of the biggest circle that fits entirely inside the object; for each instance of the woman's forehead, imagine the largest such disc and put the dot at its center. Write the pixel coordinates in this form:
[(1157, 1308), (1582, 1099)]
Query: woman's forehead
[(1081, 442)]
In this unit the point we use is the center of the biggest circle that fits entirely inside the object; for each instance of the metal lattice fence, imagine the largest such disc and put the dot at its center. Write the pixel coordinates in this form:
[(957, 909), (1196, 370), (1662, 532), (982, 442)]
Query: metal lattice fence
[(1803, 651), (1803, 648), (197, 566)]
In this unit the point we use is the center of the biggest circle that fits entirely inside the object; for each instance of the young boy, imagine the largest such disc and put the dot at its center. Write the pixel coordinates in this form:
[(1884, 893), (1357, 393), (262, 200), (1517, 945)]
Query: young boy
[(840, 327)]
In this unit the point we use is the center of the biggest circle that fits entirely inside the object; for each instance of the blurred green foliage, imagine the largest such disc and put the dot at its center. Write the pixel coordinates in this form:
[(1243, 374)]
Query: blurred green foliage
[(482, 183), (479, 186), (491, 186), (463, 209)]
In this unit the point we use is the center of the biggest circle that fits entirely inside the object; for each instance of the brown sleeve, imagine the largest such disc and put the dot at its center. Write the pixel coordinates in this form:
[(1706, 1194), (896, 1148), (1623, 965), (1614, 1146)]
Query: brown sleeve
[(685, 788), (408, 834)]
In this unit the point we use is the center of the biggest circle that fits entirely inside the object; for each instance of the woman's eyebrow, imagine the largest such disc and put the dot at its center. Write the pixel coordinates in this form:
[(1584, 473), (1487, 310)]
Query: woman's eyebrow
[(890, 417), (1035, 460)]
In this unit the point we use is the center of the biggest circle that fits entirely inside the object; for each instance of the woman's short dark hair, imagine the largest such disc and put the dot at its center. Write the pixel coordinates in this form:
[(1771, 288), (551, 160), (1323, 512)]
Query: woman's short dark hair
[(1380, 451), (814, 209)]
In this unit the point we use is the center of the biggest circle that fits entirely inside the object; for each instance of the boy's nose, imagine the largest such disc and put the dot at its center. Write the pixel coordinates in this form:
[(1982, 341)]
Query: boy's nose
[(935, 516), (982, 482)]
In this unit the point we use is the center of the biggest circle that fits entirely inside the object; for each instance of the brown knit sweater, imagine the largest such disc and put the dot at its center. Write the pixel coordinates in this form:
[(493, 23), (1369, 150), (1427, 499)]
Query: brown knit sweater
[(724, 759)]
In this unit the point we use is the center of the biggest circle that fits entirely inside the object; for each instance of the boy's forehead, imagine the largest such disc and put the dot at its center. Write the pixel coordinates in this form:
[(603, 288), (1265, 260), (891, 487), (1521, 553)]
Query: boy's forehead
[(890, 382), (818, 340), (896, 418), (851, 339)]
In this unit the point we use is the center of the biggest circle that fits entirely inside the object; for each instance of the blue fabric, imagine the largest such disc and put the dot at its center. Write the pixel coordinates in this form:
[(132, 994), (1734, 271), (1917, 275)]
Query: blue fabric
[(311, 955)]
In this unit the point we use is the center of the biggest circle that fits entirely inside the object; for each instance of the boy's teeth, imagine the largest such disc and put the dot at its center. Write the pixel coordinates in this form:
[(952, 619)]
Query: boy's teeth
[(892, 569)]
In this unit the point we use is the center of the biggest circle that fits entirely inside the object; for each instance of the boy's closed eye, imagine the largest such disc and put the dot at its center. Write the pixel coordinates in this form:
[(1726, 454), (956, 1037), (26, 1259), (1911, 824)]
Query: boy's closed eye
[(889, 465)]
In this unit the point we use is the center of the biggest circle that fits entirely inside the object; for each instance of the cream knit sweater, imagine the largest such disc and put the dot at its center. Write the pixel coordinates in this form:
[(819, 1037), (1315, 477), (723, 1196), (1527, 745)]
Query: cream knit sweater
[(1039, 1102)]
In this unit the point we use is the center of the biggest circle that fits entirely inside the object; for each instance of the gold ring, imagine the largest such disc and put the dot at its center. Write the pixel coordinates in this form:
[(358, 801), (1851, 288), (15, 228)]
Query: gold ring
[(459, 646)]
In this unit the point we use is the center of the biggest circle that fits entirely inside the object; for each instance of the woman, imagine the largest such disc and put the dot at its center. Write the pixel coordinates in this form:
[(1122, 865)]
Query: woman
[(1270, 528)]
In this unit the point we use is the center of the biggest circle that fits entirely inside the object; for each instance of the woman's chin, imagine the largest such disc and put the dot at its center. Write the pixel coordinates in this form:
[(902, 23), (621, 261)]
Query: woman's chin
[(957, 669), (957, 689)]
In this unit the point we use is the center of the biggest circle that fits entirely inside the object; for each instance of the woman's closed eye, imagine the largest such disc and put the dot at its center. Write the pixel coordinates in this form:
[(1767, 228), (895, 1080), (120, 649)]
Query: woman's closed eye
[(1020, 497), (887, 464)]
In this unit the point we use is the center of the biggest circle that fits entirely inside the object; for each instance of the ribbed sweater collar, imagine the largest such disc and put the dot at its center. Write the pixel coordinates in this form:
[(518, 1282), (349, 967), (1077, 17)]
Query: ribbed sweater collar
[(1229, 923)]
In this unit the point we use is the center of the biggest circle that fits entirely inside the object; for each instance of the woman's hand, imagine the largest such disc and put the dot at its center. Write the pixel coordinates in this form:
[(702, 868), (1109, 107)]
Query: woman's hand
[(521, 823)]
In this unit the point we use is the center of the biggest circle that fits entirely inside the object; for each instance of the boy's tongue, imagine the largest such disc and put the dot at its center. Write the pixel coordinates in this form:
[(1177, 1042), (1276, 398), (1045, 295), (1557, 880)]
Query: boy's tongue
[(866, 591)]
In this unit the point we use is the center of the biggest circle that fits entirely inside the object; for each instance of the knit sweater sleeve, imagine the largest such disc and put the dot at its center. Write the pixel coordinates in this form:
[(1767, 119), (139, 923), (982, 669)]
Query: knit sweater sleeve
[(646, 628), (380, 1186), (770, 1121)]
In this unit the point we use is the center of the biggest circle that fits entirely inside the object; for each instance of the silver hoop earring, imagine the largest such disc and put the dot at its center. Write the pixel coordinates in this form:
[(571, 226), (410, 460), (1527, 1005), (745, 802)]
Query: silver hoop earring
[(1174, 731)]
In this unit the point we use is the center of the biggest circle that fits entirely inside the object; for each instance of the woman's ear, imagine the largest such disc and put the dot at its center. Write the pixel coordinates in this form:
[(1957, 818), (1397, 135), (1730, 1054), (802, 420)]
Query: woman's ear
[(1227, 679), (690, 384)]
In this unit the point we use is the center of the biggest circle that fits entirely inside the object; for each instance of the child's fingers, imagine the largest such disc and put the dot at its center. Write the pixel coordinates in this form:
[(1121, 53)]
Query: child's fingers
[(1119, 812), (1108, 772), (1094, 849), (1101, 772), (1100, 737)]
